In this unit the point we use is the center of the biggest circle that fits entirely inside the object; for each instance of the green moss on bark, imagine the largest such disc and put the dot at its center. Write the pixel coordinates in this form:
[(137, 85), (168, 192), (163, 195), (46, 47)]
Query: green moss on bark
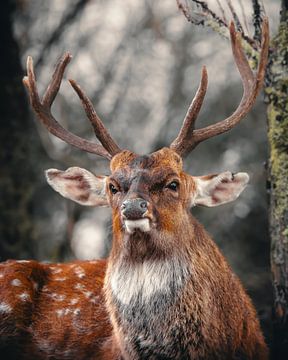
[(277, 111)]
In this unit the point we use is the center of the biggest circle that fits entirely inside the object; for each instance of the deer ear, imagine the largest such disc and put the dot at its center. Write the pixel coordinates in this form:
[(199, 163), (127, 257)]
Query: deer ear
[(214, 190), (79, 185)]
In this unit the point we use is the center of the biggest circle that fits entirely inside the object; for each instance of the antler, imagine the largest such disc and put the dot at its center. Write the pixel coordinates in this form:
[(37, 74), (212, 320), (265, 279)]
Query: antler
[(43, 111), (188, 138)]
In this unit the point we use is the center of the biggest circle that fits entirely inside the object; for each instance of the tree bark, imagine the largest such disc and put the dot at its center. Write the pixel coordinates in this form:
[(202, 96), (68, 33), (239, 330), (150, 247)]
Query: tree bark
[(276, 91), (19, 149)]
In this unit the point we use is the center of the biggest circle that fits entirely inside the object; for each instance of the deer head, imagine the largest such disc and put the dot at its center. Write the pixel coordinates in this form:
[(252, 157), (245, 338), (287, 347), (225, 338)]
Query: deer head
[(149, 193)]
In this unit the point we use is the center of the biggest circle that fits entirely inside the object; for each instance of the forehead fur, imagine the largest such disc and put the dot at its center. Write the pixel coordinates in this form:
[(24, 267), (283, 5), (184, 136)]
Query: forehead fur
[(159, 159)]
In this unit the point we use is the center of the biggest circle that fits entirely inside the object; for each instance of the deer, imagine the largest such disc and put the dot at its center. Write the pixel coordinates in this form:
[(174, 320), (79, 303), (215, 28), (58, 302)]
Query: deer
[(165, 291)]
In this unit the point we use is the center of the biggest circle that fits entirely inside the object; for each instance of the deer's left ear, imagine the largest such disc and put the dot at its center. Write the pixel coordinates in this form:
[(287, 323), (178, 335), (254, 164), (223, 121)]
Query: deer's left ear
[(214, 190), (79, 185)]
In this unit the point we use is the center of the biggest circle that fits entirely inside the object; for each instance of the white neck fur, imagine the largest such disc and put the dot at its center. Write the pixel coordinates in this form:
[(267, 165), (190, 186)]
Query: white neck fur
[(145, 279)]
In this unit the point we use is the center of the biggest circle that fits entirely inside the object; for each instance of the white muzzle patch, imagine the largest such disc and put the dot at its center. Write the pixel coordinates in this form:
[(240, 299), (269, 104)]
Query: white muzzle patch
[(141, 224)]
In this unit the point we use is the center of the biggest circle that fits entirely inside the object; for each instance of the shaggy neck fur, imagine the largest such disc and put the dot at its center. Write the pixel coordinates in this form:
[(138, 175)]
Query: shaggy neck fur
[(145, 288)]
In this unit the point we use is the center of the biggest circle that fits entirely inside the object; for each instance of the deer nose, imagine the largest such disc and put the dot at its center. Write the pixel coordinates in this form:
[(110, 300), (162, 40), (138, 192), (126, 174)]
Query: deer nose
[(133, 209)]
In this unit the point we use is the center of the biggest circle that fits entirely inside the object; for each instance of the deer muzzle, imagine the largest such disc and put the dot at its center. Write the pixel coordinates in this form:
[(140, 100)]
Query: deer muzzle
[(134, 215)]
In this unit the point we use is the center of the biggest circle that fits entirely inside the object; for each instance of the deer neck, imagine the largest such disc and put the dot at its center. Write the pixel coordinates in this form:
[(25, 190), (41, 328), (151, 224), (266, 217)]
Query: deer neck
[(140, 288), (147, 265)]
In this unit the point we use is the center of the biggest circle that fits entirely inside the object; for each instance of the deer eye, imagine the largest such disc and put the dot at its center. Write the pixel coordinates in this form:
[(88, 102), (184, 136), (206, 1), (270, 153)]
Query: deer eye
[(173, 186), (113, 189)]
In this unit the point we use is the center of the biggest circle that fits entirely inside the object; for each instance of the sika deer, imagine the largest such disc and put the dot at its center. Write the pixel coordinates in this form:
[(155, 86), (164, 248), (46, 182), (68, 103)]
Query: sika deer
[(167, 291)]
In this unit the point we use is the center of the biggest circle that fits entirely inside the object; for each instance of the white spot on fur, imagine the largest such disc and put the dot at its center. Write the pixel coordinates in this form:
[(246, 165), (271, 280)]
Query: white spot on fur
[(57, 297), (56, 270), (23, 261), (79, 287), (45, 345), (141, 224), (62, 312), (145, 278), (87, 294), (79, 271), (60, 279), (5, 308), (1, 276), (35, 285), (24, 296), (67, 353), (74, 301), (94, 300), (16, 282), (76, 311)]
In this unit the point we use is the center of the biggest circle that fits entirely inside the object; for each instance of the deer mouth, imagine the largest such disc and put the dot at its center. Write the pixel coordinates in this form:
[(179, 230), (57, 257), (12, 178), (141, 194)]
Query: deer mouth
[(138, 224)]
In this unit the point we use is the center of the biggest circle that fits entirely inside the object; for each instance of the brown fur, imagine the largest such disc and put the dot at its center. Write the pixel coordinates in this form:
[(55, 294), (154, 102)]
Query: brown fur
[(63, 316), (202, 312)]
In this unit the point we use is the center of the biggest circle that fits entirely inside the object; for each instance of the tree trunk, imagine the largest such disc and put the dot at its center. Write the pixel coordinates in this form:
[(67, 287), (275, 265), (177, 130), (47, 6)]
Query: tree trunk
[(276, 91), (19, 149)]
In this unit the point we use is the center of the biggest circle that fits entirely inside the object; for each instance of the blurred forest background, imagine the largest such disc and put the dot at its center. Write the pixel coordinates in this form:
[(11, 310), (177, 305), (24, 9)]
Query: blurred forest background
[(140, 63)]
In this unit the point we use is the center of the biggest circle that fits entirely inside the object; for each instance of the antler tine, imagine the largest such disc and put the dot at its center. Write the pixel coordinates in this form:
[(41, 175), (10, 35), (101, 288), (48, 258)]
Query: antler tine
[(54, 86), (43, 108), (251, 86), (100, 131), (182, 141)]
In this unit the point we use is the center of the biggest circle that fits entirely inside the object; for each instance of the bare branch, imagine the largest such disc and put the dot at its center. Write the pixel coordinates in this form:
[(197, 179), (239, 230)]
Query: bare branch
[(235, 17), (258, 13), (209, 18), (67, 19), (244, 16), (206, 18), (222, 11)]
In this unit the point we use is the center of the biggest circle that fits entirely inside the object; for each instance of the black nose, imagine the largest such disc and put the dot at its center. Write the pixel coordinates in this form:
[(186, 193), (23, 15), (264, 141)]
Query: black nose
[(134, 209)]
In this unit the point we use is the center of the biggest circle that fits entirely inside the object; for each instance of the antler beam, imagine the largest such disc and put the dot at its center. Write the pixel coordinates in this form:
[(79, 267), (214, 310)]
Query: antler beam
[(43, 111), (189, 138), (182, 141)]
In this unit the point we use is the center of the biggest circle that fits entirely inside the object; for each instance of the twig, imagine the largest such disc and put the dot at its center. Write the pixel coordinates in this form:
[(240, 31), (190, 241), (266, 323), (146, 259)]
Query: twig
[(235, 17), (244, 16), (222, 10), (56, 34), (210, 19), (257, 20)]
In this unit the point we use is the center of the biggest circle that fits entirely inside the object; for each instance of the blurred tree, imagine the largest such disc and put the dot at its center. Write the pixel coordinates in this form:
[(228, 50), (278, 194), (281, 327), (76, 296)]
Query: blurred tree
[(69, 17), (276, 87), (277, 90), (19, 149)]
